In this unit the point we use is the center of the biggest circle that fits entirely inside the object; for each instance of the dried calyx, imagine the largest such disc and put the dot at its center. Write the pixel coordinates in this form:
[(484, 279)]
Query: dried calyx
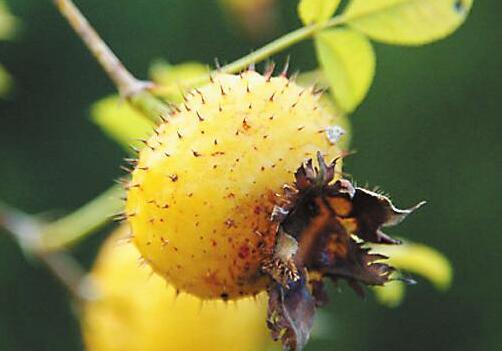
[(323, 226)]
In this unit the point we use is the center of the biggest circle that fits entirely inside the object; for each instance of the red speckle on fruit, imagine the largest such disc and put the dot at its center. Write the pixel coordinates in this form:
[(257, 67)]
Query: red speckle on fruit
[(243, 252)]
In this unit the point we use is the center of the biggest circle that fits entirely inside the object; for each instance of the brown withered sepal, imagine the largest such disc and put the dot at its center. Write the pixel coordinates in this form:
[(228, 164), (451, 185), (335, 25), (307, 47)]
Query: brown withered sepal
[(323, 226)]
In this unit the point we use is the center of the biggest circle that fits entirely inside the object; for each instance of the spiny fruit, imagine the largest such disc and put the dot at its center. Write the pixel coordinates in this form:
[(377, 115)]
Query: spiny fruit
[(136, 311), (204, 187), (226, 201)]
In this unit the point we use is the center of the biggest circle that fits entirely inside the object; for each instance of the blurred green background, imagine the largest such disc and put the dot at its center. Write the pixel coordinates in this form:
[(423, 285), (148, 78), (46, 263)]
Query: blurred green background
[(429, 129)]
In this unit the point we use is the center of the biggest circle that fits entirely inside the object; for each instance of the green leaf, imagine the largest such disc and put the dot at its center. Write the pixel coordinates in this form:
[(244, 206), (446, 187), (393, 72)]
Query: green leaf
[(315, 11), (5, 82), (171, 79), (348, 61), (8, 23), (407, 22), (121, 122)]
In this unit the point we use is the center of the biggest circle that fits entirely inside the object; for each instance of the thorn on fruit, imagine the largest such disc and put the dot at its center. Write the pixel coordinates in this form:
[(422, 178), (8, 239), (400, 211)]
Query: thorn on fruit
[(217, 64), (269, 71), (284, 72)]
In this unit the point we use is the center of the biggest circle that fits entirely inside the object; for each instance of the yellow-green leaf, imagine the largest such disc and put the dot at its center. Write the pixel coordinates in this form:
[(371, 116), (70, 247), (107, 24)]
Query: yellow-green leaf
[(315, 11), (8, 23), (391, 294), (173, 79), (5, 82), (121, 122), (413, 258), (419, 259), (348, 61), (407, 22)]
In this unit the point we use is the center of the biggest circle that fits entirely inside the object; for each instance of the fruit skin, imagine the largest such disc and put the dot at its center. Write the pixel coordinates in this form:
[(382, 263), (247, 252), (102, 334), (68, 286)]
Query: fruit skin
[(201, 196), (136, 311)]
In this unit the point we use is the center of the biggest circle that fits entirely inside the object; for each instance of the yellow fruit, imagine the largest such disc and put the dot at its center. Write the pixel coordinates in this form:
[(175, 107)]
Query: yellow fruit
[(136, 311), (201, 196)]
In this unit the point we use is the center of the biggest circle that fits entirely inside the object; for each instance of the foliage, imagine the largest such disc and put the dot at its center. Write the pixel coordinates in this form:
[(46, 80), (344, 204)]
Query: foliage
[(346, 55), (171, 79), (348, 60), (8, 25), (5, 81), (316, 11), (413, 258), (121, 122)]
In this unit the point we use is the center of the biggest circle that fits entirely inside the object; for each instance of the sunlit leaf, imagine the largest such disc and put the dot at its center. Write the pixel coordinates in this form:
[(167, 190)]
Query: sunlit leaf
[(407, 22), (174, 79), (121, 122), (348, 61), (419, 259), (5, 82), (8, 23), (416, 259), (315, 11), (391, 294)]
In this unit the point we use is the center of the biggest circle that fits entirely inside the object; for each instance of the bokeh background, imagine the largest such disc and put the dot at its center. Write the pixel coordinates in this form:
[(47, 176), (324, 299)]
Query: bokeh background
[(430, 129)]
